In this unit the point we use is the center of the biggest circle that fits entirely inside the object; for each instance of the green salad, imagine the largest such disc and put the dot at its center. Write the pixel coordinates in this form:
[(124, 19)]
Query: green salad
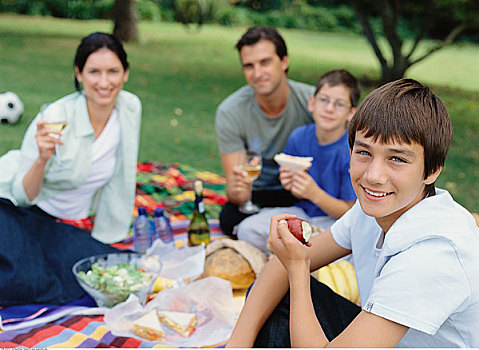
[(120, 279)]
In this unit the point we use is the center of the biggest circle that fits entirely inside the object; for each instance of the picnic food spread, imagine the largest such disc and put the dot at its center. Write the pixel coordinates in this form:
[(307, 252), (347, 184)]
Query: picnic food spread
[(236, 261), (300, 229), (228, 264), (182, 322), (120, 279), (293, 162), (149, 326), (340, 276)]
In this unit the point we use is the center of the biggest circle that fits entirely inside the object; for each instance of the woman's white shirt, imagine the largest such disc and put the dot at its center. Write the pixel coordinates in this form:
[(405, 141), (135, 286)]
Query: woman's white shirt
[(76, 203)]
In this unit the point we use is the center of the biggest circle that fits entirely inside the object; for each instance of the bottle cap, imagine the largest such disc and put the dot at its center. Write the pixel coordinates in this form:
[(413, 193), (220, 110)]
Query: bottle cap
[(141, 211), (198, 186), (159, 211)]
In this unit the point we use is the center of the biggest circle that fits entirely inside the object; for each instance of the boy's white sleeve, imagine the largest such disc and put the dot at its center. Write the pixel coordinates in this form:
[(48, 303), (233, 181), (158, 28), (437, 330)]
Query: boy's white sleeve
[(421, 286), (342, 228)]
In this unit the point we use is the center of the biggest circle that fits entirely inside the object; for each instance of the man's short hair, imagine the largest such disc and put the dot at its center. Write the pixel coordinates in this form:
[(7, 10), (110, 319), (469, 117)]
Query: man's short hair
[(406, 111), (255, 34), (341, 77)]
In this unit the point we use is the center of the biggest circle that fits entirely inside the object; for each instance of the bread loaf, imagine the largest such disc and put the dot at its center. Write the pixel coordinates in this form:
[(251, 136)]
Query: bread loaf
[(226, 263)]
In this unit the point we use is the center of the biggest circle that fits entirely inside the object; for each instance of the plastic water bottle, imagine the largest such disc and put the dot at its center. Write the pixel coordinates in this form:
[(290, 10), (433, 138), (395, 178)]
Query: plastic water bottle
[(163, 228), (141, 231)]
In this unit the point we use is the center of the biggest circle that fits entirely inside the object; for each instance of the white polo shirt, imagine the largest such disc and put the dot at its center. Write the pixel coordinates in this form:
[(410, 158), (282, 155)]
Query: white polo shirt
[(425, 275)]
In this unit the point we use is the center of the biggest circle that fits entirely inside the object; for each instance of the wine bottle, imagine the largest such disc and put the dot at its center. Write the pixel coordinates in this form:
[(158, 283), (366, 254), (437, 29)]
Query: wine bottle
[(198, 230)]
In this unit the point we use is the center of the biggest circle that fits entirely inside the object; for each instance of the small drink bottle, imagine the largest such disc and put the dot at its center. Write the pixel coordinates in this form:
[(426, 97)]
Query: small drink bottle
[(163, 228), (142, 238), (198, 230)]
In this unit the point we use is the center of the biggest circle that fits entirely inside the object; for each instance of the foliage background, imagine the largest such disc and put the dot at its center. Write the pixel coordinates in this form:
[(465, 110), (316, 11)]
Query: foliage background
[(181, 75), (318, 15)]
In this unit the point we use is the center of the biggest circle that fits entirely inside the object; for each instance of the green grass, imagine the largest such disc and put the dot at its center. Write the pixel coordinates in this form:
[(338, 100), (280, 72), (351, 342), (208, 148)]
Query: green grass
[(181, 77)]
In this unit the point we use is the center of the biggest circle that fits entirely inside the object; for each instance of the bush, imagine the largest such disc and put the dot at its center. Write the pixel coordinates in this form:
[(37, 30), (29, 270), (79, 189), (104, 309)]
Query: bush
[(80, 10), (77, 9), (318, 18), (104, 8), (16, 6), (148, 10), (295, 14)]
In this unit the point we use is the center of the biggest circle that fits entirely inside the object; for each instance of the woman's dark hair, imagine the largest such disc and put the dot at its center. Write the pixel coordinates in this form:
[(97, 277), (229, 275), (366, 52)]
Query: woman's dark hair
[(95, 42)]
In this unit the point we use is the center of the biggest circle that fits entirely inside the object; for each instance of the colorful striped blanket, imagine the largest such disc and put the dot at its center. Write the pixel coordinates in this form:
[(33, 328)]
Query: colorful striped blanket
[(68, 326)]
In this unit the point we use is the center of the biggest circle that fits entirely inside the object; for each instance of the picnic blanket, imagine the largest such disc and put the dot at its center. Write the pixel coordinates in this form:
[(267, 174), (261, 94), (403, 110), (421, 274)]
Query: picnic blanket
[(166, 185), (170, 186)]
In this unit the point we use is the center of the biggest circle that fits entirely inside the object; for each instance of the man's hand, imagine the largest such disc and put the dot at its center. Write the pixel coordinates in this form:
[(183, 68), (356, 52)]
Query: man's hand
[(239, 185)]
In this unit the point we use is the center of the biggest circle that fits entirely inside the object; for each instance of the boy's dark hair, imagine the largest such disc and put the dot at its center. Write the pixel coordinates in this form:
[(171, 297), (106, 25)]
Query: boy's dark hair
[(94, 42), (255, 34), (341, 77), (406, 111)]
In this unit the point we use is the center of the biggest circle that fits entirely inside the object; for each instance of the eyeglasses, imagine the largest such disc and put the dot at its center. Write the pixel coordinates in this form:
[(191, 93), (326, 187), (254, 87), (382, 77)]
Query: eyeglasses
[(339, 106)]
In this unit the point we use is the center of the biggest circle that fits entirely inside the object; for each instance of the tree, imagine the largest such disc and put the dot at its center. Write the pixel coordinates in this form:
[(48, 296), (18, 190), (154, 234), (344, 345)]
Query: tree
[(443, 20), (125, 19), (404, 24)]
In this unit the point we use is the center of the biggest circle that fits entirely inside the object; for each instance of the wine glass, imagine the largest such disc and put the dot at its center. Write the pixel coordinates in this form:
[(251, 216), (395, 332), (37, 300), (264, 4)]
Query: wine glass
[(57, 126), (250, 162)]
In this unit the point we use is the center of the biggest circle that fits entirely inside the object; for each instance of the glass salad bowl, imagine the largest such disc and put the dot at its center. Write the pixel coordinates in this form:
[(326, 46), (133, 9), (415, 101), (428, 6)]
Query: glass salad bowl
[(111, 278)]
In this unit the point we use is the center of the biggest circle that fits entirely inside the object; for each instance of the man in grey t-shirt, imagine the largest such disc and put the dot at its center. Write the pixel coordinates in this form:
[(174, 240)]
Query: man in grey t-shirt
[(259, 117)]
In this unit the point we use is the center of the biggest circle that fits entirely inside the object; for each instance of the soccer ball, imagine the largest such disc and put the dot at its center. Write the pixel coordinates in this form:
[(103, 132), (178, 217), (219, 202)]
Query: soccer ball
[(11, 108)]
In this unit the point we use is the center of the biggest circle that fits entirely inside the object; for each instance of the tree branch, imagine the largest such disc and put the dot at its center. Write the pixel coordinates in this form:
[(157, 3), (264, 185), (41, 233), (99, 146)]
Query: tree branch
[(368, 31), (447, 41), (389, 15), (416, 41), (425, 22)]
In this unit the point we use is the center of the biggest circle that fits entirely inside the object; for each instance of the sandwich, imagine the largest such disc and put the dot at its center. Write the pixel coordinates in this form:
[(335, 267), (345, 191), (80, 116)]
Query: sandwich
[(148, 326), (182, 322), (293, 162)]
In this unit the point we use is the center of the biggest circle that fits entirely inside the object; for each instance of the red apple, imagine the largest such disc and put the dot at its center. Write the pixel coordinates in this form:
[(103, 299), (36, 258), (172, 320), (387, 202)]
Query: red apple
[(300, 229)]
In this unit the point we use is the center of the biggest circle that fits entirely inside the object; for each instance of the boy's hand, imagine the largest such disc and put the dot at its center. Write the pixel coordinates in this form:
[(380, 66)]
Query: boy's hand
[(286, 177), (46, 141), (303, 185), (292, 253), (240, 184)]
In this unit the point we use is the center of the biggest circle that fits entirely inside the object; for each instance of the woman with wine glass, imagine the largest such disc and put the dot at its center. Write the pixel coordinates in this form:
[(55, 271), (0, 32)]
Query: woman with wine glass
[(60, 177)]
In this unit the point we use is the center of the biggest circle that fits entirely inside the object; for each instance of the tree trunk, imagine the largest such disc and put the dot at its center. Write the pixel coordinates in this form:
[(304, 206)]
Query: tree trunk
[(126, 22), (390, 12), (392, 73)]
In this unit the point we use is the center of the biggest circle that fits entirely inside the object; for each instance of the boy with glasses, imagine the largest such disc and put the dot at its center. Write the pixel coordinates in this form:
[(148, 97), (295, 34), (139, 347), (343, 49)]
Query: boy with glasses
[(324, 190)]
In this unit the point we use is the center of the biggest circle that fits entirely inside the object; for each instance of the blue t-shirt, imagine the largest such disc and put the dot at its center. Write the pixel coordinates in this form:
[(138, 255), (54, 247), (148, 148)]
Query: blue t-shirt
[(329, 168)]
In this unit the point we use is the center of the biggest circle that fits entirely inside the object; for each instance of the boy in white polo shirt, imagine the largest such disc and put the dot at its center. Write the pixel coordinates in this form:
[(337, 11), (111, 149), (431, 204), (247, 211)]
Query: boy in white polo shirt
[(414, 248)]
